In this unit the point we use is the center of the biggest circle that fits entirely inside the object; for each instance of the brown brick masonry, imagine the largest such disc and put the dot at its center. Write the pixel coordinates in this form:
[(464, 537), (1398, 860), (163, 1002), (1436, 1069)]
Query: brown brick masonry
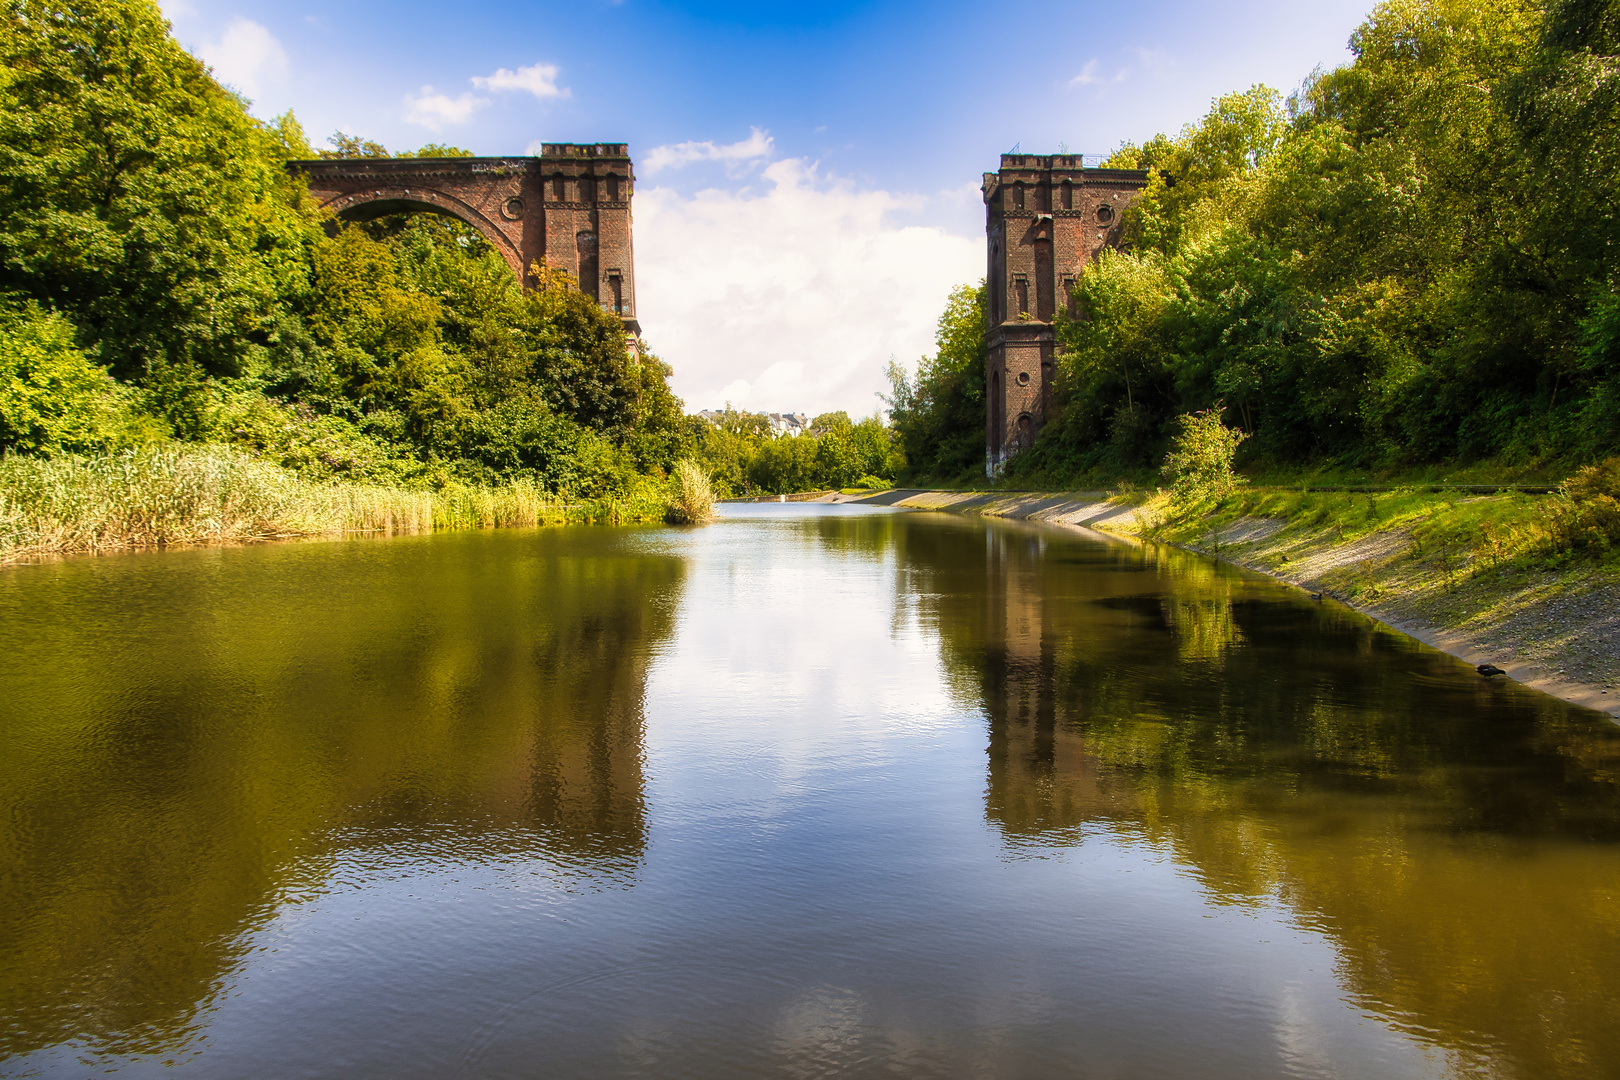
[(569, 207)]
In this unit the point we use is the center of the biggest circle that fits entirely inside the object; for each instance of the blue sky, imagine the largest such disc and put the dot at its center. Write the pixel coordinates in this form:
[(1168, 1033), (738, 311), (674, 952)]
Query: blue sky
[(808, 173)]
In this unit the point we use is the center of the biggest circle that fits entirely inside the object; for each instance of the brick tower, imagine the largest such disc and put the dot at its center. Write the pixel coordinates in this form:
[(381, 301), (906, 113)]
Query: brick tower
[(1046, 218), (587, 207)]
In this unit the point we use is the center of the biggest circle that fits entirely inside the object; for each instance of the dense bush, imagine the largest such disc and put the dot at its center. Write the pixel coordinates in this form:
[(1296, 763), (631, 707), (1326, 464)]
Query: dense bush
[(691, 497), (53, 399), (1199, 464), (1589, 514)]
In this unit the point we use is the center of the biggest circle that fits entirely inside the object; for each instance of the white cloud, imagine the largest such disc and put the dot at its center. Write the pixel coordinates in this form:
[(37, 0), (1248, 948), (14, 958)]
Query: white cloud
[(794, 297), (247, 57), (436, 111), (1156, 64), (538, 79), (1087, 76), (758, 145)]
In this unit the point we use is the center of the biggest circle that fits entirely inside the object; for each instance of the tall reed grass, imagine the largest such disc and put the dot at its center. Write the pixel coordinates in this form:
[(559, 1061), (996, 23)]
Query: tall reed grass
[(691, 500), (181, 496)]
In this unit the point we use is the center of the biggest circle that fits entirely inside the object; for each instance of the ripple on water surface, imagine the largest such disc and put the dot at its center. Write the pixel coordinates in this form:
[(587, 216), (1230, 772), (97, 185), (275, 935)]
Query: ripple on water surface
[(808, 792)]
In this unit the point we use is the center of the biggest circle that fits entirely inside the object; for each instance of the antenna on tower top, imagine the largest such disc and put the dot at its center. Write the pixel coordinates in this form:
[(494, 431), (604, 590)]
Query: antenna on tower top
[(1016, 145)]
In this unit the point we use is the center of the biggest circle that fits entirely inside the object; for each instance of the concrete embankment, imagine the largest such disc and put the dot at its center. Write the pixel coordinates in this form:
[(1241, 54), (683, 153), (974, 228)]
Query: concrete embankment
[(1557, 631)]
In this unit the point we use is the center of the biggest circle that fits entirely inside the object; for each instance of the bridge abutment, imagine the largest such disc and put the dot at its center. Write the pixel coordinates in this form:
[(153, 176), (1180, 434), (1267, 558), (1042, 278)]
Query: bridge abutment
[(568, 208)]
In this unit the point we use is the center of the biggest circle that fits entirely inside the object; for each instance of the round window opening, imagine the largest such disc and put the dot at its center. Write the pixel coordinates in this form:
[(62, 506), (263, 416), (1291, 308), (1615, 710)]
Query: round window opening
[(1105, 213), (1023, 378), (512, 209)]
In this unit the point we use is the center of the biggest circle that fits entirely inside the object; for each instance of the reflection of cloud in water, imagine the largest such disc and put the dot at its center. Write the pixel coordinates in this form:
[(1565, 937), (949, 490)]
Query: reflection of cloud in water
[(823, 1031), (1314, 1041), (804, 634)]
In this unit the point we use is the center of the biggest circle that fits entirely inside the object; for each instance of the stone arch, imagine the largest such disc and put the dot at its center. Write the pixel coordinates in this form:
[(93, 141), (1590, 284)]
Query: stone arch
[(377, 202), (506, 200)]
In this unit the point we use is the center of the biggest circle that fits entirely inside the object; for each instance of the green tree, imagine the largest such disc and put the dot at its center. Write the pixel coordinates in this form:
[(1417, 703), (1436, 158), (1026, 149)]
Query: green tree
[(53, 399), (1412, 262), (939, 415), (1199, 464), (136, 195), (165, 261)]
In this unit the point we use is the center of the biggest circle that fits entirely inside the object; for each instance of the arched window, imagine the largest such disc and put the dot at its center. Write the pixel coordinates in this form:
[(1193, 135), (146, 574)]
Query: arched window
[(585, 245)]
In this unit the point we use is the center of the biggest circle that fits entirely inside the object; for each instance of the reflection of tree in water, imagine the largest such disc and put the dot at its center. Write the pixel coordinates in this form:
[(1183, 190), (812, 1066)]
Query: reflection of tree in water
[(1459, 841), (386, 707), (860, 536)]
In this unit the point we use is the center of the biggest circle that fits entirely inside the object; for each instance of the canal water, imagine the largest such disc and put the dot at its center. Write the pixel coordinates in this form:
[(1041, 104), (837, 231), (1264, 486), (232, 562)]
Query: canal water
[(809, 792)]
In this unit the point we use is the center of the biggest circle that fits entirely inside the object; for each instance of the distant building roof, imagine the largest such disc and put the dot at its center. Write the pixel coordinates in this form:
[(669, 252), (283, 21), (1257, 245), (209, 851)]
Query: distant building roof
[(780, 423)]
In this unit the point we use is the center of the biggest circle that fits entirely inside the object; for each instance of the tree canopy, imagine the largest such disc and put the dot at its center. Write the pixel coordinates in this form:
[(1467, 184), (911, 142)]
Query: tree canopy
[(164, 275)]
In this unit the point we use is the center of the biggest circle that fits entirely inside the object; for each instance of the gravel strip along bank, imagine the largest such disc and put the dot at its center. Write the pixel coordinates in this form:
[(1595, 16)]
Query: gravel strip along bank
[(1557, 632)]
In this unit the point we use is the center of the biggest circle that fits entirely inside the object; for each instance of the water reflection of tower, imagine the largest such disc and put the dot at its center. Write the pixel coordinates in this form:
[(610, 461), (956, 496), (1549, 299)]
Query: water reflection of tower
[(1042, 781), (586, 768), (555, 708), (484, 704), (528, 711)]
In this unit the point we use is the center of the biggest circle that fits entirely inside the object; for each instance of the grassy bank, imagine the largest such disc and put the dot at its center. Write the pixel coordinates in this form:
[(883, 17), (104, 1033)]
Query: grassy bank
[(215, 495), (1529, 582), (1447, 537)]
